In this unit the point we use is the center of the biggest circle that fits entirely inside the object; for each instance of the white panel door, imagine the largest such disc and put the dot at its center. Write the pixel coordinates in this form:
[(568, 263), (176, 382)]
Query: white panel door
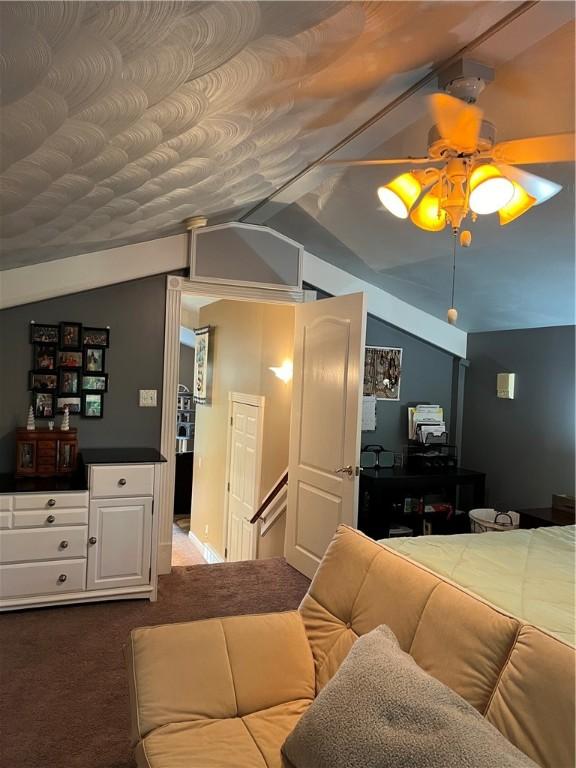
[(243, 480), (119, 543), (325, 427)]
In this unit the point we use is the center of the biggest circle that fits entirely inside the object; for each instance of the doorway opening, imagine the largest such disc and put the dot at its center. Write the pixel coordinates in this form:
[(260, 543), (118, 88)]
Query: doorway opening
[(232, 439)]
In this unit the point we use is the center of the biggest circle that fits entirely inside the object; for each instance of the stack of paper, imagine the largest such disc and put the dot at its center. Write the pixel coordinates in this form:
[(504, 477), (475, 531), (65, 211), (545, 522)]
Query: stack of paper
[(424, 420)]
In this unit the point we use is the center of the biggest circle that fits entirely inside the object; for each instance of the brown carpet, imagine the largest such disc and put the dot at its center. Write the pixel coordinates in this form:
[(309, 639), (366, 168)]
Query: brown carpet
[(63, 684)]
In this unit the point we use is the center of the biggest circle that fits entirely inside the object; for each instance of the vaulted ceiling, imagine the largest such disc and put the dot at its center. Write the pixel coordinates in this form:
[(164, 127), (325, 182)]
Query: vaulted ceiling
[(120, 119)]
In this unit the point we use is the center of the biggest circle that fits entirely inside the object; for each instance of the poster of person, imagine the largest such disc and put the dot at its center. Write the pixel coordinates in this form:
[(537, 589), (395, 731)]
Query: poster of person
[(382, 372), (201, 369)]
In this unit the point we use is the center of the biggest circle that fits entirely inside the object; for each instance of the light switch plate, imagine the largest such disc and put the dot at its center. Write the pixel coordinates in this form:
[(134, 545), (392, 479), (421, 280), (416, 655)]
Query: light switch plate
[(148, 398), (506, 385)]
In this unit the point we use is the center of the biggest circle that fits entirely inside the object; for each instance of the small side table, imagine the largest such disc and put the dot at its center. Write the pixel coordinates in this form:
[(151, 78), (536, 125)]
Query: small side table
[(545, 516)]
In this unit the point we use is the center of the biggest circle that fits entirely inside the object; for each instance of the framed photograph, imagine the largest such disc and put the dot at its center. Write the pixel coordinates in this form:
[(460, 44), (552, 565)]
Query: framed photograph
[(95, 383), (382, 372), (44, 334), (43, 405), (70, 359), (68, 381), (70, 336), (43, 382), (44, 357), (201, 366), (93, 360), (96, 337), (74, 404), (92, 406)]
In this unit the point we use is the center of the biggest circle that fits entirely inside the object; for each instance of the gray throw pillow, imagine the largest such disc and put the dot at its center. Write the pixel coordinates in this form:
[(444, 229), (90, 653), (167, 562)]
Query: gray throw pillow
[(381, 710)]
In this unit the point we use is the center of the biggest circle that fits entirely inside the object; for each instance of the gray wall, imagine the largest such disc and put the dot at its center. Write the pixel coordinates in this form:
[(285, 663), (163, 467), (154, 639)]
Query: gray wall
[(135, 313), (525, 445), (426, 378), (186, 366)]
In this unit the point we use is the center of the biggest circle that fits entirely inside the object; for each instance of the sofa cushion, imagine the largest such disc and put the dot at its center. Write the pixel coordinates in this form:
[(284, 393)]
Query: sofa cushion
[(536, 696), (218, 668), (253, 741), (381, 710)]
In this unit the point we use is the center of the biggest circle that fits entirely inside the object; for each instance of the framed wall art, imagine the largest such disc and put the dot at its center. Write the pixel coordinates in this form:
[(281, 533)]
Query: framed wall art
[(96, 337), (74, 405), (383, 372), (44, 334), (70, 336), (92, 406), (68, 369), (202, 376)]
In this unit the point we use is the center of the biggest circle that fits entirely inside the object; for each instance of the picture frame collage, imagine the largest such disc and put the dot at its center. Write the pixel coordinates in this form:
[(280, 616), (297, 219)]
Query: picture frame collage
[(68, 368)]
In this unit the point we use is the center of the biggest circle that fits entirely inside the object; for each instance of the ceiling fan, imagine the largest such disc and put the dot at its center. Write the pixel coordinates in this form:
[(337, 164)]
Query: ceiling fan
[(465, 172)]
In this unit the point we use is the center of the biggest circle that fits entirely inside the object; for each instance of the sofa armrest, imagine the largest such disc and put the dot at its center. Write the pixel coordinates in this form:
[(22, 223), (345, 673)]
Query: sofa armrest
[(216, 668)]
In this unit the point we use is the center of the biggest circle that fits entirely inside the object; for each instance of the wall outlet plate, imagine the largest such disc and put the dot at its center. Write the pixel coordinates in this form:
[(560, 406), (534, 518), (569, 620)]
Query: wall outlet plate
[(148, 398)]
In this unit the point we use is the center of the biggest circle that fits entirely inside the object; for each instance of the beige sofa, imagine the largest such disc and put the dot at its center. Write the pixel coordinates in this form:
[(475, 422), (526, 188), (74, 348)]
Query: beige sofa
[(248, 679)]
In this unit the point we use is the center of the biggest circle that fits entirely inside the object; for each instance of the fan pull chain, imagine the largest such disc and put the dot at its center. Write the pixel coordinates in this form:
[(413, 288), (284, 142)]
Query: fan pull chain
[(453, 312)]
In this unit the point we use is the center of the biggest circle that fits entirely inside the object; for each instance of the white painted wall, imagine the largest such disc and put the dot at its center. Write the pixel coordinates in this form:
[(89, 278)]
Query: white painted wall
[(36, 282)]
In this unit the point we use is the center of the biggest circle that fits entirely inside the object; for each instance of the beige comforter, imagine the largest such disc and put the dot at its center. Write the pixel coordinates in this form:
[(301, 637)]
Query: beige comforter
[(528, 573)]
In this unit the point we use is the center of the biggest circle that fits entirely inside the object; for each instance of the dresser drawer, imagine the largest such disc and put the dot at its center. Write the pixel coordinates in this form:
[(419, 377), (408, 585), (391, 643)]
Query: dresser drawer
[(49, 518), (5, 512), (123, 480), (26, 579), (33, 544), (50, 501)]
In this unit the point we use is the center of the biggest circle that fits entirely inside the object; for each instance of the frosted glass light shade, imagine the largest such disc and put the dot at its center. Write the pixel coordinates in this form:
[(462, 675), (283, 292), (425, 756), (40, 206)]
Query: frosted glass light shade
[(399, 196), (520, 203), (489, 190), (428, 215)]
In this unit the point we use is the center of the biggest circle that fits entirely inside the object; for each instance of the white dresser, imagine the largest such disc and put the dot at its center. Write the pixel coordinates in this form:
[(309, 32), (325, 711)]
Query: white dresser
[(71, 546)]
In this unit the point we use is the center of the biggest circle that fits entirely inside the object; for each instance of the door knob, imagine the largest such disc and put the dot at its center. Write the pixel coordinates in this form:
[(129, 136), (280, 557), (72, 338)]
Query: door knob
[(64, 544), (92, 540), (50, 519), (62, 578), (347, 470), (122, 481), (51, 502)]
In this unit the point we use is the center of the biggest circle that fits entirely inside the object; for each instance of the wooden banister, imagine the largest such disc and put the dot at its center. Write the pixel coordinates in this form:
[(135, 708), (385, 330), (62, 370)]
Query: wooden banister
[(270, 497)]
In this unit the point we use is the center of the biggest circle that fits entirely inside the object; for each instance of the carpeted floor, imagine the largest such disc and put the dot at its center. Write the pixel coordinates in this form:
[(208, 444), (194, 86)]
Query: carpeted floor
[(64, 701)]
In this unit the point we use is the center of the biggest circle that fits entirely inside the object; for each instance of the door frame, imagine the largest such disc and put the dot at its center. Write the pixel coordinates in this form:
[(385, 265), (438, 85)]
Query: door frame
[(175, 287), (258, 401)]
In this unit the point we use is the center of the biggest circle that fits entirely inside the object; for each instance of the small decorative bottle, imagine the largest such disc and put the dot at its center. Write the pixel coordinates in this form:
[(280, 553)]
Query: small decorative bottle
[(30, 424)]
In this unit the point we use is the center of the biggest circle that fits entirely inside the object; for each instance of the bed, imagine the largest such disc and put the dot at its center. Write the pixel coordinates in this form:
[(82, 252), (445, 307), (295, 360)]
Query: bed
[(527, 573)]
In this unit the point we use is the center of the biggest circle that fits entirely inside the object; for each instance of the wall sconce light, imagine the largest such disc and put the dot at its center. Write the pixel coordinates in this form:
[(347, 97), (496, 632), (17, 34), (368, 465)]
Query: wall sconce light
[(283, 372)]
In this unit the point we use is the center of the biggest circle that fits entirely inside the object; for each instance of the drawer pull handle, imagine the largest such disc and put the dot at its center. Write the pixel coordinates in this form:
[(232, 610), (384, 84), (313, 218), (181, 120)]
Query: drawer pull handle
[(62, 578), (51, 502), (50, 519), (92, 540), (122, 481), (64, 544)]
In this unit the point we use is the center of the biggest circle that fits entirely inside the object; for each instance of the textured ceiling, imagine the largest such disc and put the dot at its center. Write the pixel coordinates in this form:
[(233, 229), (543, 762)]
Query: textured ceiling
[(120, 119)]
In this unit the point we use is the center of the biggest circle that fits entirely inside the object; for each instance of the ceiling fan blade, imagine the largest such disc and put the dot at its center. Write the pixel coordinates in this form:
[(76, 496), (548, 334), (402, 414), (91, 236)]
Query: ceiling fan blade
[(457, 122), (387, 161), (557, 148), (536, 186)]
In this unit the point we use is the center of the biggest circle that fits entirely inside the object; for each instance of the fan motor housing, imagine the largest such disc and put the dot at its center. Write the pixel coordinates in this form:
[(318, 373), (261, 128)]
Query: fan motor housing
[(439, 148)]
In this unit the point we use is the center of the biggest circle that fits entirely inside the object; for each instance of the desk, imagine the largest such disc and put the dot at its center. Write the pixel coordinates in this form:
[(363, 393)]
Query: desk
[(380, 488)]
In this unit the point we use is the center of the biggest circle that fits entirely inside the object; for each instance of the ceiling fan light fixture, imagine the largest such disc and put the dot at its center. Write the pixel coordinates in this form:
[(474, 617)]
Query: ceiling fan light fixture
[(428, 214), (520, 203), (400, 194), (489, 190)]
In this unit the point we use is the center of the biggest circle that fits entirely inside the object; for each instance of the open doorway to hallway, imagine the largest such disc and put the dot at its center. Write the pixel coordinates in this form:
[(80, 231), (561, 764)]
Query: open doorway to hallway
[(223, 469)]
